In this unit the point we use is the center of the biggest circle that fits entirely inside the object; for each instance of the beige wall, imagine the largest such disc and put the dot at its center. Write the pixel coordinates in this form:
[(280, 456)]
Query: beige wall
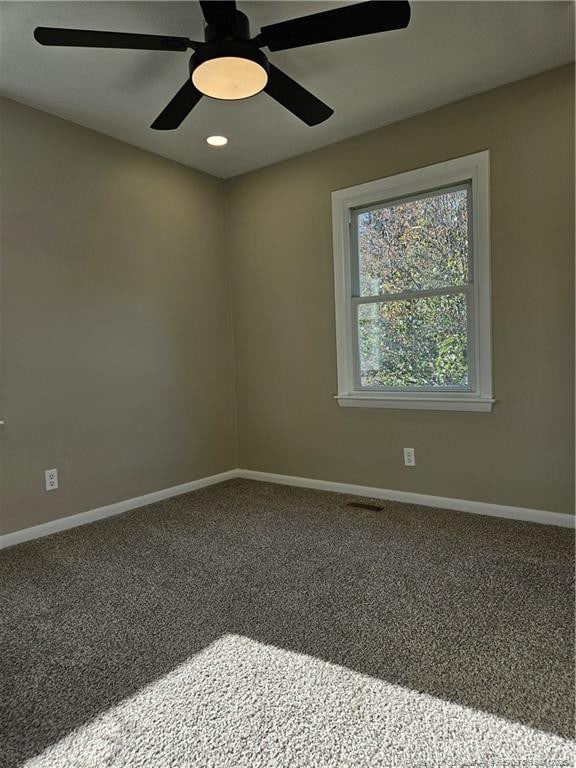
[(117, 343), (280, 232), (117, 353)]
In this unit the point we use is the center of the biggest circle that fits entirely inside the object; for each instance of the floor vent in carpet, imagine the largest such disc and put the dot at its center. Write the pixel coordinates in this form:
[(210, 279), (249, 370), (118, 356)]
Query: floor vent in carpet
[(362, 505)]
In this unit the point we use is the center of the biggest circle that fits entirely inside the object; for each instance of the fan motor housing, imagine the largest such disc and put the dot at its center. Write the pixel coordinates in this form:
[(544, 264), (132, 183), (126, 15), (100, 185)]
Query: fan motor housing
[(240, 30)]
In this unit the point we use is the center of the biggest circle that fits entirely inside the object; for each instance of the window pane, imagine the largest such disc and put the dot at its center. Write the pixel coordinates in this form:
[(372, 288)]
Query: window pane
[(416, 343), (413, 245)]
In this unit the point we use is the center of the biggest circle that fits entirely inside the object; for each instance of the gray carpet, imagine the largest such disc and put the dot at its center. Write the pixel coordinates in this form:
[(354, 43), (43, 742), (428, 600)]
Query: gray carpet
[(259, 626)]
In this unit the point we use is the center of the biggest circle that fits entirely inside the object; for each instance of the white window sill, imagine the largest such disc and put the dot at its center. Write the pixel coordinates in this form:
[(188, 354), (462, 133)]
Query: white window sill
[(438, 403)]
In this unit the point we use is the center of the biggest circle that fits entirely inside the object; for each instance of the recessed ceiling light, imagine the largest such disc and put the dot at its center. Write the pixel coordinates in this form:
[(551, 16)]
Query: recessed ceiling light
[(217, 141)]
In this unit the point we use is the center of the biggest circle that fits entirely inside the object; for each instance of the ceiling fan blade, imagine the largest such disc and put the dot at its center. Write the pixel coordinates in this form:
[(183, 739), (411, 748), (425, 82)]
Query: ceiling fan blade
[(219, 12), (337, 24), (178, 109), (295, 98), (89, 38)]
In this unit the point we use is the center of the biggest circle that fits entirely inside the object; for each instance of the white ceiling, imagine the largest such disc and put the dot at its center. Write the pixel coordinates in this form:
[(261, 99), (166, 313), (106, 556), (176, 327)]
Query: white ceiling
[(450, 50)]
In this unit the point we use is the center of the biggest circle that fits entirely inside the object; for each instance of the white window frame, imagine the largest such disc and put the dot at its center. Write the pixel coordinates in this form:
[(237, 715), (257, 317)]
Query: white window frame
[(472, 170)]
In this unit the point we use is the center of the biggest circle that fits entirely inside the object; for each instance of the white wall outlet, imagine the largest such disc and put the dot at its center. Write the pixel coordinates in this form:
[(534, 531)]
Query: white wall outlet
[(409, 457), (51, 477)]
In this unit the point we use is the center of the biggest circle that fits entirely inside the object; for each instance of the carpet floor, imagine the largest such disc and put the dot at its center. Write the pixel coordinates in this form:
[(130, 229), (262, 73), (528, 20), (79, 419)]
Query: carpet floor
[(250, 625)]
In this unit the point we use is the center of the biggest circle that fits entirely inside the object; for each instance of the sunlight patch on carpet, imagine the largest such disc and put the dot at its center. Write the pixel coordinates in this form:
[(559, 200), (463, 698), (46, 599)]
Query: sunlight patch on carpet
[(245, 704)]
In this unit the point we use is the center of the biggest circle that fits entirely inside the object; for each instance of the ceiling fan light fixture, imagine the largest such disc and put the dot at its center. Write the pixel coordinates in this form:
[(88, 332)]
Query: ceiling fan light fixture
[(230, 70), (230, 78)]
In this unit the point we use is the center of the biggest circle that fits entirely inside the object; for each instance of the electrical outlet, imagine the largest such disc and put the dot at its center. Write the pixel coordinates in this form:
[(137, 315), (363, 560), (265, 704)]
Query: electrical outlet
[(409, 457), (51, 477)]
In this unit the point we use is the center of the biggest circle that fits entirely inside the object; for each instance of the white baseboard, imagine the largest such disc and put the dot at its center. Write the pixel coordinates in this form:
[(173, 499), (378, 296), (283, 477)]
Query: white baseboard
[(439, 502), (63, 523)]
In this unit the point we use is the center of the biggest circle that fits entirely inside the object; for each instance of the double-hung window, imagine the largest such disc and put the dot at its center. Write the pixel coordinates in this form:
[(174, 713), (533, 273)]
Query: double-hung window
[(411, 258)]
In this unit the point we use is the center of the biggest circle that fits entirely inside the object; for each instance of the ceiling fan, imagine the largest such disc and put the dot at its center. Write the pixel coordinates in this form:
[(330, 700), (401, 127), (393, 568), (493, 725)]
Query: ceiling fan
[(230, 65)]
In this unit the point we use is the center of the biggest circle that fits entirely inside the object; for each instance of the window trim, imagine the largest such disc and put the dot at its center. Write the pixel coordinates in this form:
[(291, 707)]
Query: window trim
[(473, 169)]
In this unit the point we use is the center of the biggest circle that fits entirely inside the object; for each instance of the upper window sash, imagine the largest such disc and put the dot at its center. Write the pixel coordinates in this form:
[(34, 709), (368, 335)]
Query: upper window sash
[(356, 212)]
